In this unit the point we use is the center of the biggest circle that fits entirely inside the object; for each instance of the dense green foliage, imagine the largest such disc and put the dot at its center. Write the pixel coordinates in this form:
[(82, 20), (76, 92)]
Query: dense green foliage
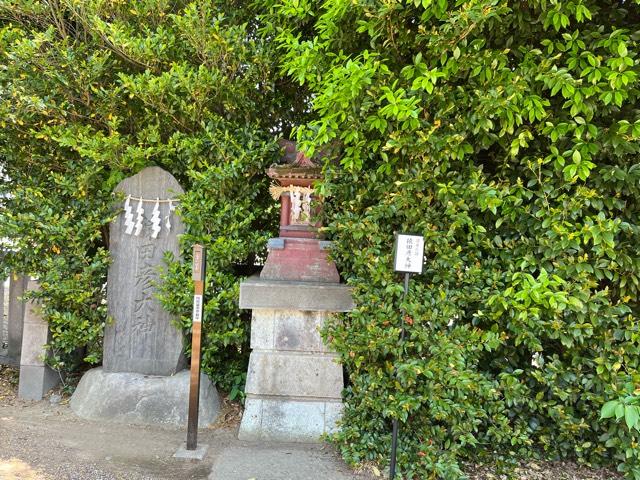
[(94, 91), (507, 133)]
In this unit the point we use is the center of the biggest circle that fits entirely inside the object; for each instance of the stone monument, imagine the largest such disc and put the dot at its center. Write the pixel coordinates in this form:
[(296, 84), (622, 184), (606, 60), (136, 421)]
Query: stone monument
[(294, 381), (141, 338), (142, 379)]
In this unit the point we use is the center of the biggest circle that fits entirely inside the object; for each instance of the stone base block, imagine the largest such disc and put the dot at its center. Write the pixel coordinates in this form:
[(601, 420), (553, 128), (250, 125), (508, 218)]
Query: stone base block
[(142, 399), (294, 374), (198, 454), (36, 381), (288, 330), (288, 420)]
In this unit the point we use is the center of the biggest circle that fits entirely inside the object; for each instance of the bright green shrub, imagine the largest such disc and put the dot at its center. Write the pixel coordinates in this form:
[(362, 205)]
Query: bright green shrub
[(94, 91), (507, 133)]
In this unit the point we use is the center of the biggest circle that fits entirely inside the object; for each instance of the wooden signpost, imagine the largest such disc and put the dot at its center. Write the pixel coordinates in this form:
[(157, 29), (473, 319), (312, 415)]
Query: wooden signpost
[(199, 272), (408, 259)]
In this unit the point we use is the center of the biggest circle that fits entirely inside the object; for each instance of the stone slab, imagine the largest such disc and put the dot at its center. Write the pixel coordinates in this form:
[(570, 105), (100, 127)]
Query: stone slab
[(124, 397), (306, 296), (142, 338), (288, 419), (294, 374), (279, 462), (287, 330), (17, 287), (34, 340), (197, 454), (36, 381)]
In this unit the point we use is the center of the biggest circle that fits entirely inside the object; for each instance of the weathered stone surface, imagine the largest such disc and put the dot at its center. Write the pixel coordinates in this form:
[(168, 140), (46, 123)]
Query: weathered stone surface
[(294, 381), (275, 461), (35, 382), (36, 378), (142, 399), (141, 337), (304, 296), (17, 286), (294, 374), (287, 330), (288, 420)]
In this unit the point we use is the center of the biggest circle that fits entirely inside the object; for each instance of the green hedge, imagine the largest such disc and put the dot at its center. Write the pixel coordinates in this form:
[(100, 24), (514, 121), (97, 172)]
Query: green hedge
[(94, 91), (507, 133)]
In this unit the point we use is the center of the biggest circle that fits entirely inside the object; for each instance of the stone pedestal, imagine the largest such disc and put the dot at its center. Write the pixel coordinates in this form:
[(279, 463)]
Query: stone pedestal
[(142, 399), (36, 378), (294, 382)]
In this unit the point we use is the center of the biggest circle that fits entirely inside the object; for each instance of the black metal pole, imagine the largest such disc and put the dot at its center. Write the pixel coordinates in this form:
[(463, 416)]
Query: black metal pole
[(394, 433)]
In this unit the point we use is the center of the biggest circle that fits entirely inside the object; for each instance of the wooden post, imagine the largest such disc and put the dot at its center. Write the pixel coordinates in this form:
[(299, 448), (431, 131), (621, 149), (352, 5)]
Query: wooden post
[(199, 272)]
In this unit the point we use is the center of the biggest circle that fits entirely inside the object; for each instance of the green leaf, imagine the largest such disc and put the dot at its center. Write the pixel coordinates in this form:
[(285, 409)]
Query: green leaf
[(608, 409), (622, 49), (631, 416), (576, 156)]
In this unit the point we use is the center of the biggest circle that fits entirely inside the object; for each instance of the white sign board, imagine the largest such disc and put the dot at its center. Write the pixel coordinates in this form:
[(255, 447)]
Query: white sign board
[(197, 308), (409, 256)]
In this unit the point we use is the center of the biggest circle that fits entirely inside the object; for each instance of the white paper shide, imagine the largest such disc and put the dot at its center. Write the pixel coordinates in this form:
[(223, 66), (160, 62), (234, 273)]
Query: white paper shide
[(154, 224)]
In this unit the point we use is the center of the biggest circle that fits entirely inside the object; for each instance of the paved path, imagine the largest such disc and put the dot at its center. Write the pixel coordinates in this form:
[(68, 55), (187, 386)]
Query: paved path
[(260, 461)]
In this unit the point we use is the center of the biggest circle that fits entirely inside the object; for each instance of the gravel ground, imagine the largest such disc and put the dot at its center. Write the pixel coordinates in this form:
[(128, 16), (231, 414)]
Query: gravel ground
[(46, 441)]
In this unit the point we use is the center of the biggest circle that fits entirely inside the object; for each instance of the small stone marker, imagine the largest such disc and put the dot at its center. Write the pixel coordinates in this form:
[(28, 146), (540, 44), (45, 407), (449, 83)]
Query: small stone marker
[(141, 337), (17, 286), (36, 378)]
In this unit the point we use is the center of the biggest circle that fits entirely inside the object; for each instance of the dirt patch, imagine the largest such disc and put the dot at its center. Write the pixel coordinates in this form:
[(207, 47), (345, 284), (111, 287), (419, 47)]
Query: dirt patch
[(8, 385), (14, 469)]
